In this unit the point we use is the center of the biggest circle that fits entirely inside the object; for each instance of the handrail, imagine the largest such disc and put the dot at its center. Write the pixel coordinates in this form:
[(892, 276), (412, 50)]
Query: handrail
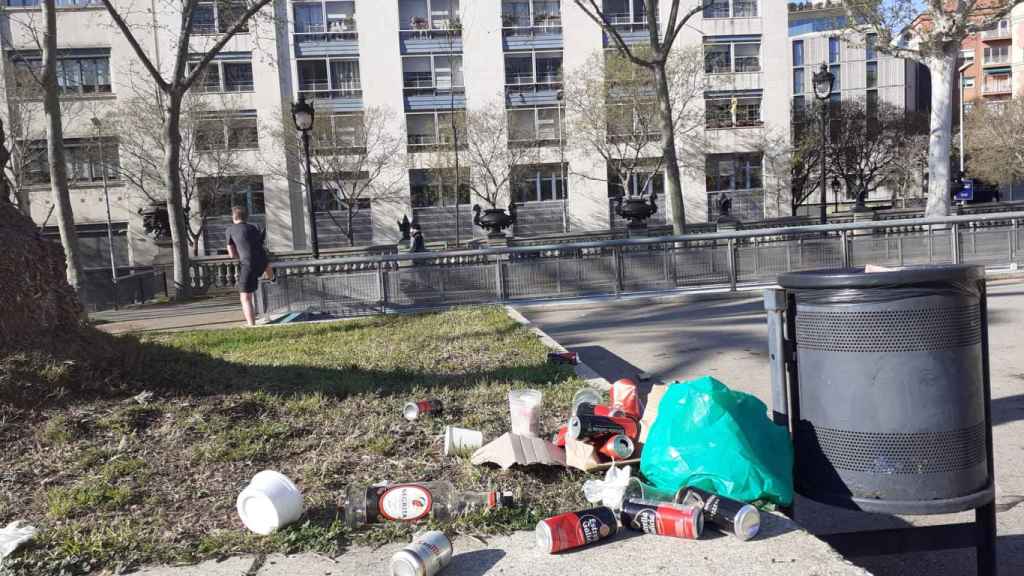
[(740, 234)]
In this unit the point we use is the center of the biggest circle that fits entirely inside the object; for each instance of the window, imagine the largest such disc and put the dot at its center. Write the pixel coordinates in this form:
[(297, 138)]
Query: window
[(833, 50), (731, 9), (330, 78), (871, 47), (332, 18), (428, 74), (967, 54), (233, 131), (733, 172), (532, 125), (94, 244), (871, 99), (645, 179), (340, 132), (527, 13), (717, 9), (437, 187), (997, 55), (871, 69), (86, 160), (533, 68), (219, 195), (538, 183), (224, 76), (732, 112), (724, 57), (837, 84), (79, 72), (428, 14), (968, 81), (798, 53), (217, 17), (798, 81), (431, 129)]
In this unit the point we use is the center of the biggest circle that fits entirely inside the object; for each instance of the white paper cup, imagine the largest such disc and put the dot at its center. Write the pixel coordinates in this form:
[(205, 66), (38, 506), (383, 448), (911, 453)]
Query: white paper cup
[(270, 501), (585, 396), (461, 440), (525, 409)]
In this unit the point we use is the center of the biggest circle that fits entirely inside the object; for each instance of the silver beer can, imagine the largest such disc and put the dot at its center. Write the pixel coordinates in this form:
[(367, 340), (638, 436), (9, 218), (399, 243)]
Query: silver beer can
[(428, 554)]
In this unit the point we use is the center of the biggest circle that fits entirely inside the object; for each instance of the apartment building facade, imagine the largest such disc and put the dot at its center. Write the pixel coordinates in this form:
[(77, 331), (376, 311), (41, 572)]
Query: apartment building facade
[(419, 62)]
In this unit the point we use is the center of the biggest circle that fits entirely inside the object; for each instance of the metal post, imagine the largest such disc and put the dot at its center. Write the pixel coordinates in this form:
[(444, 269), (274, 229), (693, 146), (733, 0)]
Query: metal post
[(757, 263), (110, 225), (775, 306), (314, 242), (382, 287), (955, 239), (824, 138), (499, 279), (789, 256), (844, 237), (931, 245), (732, 264), (899, 249)]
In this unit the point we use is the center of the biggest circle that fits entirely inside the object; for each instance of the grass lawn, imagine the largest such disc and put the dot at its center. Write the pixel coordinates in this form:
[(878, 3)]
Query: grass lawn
[(113, 483)]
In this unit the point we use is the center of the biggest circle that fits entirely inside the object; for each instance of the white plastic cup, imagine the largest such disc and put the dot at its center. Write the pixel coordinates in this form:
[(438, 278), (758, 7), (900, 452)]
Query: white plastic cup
[(270, 502), (525, 409), (461, 440)]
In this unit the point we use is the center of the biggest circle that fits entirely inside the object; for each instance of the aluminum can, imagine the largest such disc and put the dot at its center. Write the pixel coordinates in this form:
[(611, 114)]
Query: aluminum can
[(576, 529), (414, 410), (593, 409), (570, 358), (618, 447), (724, 514), (428, 554), (584, 425), (624, 398), (663, 518)]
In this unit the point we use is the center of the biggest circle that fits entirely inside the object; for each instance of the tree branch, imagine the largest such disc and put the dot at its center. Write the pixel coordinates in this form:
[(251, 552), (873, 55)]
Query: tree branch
[(222, 41), (127, 33)]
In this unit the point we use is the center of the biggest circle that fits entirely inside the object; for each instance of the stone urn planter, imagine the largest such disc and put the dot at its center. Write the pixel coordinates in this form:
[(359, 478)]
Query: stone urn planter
[(494, 220), (636, 209)]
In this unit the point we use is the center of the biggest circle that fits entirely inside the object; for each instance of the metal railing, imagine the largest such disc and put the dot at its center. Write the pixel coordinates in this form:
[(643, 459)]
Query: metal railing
[(134, 288), (396, 282)]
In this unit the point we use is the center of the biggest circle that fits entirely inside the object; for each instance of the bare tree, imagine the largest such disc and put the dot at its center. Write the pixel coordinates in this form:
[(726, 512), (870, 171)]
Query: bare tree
[(617, 117), (5, 157), (208, 169), (930, 32), (778, 154), (654, 57), (183, 75), (994, 146), (492, 157), (352, 161), (866, 144)]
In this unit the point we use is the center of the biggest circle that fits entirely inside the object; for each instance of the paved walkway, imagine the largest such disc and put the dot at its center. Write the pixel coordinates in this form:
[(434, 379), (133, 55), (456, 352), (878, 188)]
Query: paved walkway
[(726, 337), (212, 313)]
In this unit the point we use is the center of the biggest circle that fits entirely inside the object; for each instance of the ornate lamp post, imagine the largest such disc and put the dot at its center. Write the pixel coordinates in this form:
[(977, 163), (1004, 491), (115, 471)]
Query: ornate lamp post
[(302, 114), (823, 81), (835, 191)]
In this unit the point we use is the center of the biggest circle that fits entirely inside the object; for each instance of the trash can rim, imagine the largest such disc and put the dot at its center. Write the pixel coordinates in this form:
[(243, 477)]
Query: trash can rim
[(858, 278)]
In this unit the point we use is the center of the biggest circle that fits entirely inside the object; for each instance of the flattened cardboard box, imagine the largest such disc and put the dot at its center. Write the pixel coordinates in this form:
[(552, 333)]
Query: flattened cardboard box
[(512, 449)]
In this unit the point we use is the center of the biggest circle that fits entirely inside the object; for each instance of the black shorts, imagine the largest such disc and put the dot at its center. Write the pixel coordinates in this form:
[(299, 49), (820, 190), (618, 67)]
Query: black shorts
[(249, 276)]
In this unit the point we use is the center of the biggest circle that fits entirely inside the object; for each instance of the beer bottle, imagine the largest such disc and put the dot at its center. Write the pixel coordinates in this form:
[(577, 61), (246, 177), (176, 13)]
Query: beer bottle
[(414, 501)]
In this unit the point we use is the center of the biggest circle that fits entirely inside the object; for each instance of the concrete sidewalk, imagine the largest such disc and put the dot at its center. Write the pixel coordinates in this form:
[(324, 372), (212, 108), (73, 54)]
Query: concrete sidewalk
[(782, 549), (222, 311)]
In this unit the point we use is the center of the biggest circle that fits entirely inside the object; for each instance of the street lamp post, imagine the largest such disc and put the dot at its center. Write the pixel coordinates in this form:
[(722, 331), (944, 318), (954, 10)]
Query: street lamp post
[(835, 191), (823, 81), (106, 197), (302, 114)]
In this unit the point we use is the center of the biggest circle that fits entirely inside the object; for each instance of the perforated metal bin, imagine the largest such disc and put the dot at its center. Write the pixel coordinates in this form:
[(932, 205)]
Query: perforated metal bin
[(890, 402)]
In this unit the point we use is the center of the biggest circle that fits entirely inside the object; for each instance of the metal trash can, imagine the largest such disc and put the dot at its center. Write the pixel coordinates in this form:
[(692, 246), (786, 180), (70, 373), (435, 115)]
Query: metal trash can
[(890, 397)]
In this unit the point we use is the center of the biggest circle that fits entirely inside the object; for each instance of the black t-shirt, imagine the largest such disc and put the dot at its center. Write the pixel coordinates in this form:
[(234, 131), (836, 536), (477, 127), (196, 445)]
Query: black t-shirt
[(248, 241)]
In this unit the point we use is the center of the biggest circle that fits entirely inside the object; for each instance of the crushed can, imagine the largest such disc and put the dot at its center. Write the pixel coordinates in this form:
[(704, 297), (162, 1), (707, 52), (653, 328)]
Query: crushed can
[(569, 358), (428, 554), (592, 426), (663, 518), (726, 515), (624, 398), (591, 408), (618, 447), (414, 410), (576, 529), (558, 439)]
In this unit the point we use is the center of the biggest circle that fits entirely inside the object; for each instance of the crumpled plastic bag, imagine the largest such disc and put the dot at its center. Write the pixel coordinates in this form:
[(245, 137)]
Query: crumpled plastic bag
[(610, 491), (14, 535), (716, 439)]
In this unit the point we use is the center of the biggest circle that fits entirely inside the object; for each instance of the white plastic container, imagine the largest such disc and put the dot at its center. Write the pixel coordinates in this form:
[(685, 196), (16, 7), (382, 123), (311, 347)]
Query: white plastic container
[(270, 502), (461, 440), (525, 409)]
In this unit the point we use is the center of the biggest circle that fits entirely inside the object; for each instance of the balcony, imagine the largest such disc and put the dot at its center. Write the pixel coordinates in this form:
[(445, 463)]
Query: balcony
[(429, 26), (1000, 32), (530, 90), (326, 41), (997, 59), (522, 33)]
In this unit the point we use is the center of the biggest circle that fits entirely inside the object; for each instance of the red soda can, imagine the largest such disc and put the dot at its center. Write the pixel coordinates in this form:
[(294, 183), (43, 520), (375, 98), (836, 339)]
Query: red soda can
[(414, 410), (663, 518), (618, 447), (624, 397), (576, 529), (591, 426), (559, 438), (570, 358)]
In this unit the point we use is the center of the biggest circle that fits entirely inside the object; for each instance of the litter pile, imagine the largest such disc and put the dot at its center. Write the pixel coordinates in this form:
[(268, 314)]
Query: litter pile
[(706, 455)]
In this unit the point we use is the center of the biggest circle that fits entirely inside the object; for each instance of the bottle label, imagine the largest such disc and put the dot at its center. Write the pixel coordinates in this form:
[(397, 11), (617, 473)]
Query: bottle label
[(405, 502)]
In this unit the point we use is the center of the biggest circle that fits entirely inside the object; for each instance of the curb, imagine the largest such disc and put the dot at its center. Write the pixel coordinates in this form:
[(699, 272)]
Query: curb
[(586, 373)]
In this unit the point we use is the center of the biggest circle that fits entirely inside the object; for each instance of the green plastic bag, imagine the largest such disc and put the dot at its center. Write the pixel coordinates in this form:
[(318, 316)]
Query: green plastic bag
[(716, 439)]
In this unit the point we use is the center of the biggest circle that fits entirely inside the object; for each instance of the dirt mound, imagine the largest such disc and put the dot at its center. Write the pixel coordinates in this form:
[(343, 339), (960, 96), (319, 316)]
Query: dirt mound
[(47, 350)]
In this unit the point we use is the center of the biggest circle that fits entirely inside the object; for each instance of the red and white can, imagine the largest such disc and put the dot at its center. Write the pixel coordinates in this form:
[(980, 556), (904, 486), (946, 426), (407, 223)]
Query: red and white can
[(618, 447), (576, 529), (559, 438), (663, 518), (624, 398), (414, 410)]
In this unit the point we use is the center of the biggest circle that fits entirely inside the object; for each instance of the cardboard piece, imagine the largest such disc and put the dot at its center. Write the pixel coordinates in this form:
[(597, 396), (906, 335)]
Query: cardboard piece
[(511, 449), (586, 457), (651, 410)]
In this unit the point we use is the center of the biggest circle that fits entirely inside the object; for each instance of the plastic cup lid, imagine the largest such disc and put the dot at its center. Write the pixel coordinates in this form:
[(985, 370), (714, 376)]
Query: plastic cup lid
[(258, 513), (527, 396), (411, 411)]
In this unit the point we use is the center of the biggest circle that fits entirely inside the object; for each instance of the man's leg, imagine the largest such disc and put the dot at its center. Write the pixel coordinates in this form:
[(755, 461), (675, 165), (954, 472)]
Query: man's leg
[(246, 298)]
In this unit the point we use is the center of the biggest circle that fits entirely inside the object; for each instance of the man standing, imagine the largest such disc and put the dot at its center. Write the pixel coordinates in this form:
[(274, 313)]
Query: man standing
[(245, 242)]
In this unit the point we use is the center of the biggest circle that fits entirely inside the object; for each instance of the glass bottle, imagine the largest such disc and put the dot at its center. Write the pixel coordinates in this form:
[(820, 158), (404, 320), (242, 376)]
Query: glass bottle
[(413, 501)]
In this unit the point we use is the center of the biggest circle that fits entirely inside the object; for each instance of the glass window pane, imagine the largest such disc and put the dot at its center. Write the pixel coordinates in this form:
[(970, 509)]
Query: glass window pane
[(309, 18), (798, 53), (312, 75), (872, 74), (833, 50), (798, 81), (203, 19), (871, 47), (238, 76), (717, 58), (748, 57), (836, 71)]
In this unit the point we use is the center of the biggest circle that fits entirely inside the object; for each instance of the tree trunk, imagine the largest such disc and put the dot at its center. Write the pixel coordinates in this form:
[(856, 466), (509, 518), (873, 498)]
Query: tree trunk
[(943, 70), (175, 214), (55, 150), (673, 186)]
